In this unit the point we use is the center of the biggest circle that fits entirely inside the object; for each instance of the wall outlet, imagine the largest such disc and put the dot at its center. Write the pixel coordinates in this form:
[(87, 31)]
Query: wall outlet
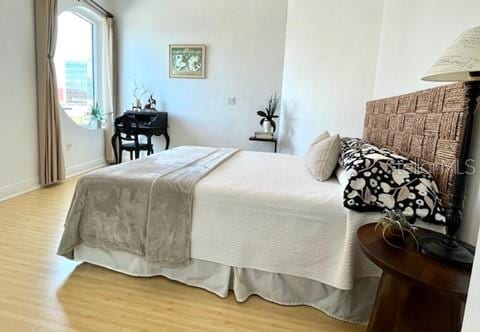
[(231, 100), (69, 146)]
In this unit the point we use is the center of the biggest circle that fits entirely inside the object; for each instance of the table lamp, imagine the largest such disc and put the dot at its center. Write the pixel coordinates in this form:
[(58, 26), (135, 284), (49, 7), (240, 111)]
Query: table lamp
[(459, 63)]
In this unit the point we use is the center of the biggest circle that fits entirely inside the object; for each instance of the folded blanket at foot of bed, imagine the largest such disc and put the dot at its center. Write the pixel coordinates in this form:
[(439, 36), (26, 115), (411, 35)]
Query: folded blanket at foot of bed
[(142, 207)]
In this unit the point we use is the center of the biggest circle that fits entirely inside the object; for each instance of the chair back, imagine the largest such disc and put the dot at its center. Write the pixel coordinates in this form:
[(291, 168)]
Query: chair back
[(127, 128)]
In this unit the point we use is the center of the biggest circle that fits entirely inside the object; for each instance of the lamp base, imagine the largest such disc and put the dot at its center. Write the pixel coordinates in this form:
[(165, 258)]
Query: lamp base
[(448, 250)]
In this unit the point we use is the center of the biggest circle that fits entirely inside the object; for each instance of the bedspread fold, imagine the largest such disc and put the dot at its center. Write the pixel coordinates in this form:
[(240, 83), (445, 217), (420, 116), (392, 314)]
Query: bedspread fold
[(143, 207)]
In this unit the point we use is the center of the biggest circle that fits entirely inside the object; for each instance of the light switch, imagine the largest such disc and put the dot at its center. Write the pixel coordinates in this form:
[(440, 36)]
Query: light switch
[(231, 101)]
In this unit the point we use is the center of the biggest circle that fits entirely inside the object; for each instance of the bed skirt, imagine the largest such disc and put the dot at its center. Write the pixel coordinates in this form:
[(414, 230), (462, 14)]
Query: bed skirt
[(352, 305)]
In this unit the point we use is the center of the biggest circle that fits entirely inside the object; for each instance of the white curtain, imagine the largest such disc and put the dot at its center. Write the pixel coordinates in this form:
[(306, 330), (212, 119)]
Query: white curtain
[(109, 88)]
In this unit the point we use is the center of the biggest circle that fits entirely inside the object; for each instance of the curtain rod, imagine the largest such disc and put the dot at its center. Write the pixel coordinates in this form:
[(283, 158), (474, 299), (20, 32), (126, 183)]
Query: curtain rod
[(97, 7)]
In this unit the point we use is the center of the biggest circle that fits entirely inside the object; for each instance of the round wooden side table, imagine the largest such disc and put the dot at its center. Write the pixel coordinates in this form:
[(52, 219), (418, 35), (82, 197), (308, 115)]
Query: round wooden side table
[(416, 293)]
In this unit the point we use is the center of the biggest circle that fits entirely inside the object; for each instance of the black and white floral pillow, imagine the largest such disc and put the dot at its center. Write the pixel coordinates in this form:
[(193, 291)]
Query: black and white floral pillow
[(380, 179)]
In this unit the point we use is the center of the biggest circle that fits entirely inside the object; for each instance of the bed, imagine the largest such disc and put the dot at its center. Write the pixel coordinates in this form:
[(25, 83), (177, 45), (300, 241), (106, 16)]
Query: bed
[(260, 223)]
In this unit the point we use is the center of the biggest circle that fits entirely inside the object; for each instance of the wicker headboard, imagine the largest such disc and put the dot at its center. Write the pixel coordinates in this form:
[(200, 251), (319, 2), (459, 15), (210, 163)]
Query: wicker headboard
[(427, 126)]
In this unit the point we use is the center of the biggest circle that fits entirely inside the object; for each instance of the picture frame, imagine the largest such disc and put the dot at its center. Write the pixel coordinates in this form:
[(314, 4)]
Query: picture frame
[(187, 61)]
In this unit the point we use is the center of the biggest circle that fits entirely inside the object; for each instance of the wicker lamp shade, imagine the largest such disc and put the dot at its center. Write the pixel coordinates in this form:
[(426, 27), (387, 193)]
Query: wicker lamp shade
[(460, 62)]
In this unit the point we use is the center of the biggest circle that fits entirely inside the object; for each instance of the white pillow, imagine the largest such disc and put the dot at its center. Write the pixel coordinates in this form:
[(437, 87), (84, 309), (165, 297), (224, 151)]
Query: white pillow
[(320, 138), (321, 160), (342, 176)]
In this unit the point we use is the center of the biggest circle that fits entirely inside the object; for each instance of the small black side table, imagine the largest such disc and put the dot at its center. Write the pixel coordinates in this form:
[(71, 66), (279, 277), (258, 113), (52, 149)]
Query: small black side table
[(272, 140)]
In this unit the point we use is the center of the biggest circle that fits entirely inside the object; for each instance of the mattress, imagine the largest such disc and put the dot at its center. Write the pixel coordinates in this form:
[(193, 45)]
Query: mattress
[(264, 211)]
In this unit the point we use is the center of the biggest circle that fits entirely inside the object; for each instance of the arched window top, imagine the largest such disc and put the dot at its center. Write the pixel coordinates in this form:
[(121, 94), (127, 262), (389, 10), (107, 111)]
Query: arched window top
[(74, 6)]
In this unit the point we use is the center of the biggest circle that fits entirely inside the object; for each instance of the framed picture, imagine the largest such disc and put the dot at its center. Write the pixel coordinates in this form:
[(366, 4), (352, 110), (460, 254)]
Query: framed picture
[(187, 61)]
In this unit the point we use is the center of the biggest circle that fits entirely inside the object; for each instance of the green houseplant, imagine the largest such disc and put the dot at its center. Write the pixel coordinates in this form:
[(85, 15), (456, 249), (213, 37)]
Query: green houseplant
[(96, 114), (268, 114), (396, 229)]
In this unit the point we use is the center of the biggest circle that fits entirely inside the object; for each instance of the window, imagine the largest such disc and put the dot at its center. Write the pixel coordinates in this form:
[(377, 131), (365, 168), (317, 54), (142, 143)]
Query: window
[(76, 59)]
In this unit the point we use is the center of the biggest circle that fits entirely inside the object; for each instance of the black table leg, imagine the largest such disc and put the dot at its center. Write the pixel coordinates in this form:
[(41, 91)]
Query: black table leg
[(167, 140), (275, 146), (114, 146), (150, 146)]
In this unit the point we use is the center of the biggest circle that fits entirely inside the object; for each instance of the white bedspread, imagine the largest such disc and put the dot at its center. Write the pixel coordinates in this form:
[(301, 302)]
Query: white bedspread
[(265, 211)]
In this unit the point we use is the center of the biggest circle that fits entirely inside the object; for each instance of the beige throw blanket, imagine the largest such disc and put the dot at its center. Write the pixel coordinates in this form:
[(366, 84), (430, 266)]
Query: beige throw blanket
[(142, 207)]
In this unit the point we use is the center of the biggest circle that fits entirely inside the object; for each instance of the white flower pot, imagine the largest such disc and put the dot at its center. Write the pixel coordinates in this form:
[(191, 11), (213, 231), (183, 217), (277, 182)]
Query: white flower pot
[(94, 124), (138, 104), (267, 126)]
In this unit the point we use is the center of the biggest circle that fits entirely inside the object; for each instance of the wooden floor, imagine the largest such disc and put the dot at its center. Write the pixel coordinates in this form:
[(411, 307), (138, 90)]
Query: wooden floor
[(42, 292)]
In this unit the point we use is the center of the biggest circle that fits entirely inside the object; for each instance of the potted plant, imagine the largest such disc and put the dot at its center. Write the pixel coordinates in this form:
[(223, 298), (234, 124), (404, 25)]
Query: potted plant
[(396, 229), (97, 115), (268, 115)]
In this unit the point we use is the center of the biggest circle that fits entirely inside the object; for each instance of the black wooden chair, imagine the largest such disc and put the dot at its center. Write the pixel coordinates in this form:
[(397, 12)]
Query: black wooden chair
[(126, 132)]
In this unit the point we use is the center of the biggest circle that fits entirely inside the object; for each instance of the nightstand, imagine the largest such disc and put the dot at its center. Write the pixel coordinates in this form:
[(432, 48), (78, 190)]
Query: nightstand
[(416, 293), (272, 140)]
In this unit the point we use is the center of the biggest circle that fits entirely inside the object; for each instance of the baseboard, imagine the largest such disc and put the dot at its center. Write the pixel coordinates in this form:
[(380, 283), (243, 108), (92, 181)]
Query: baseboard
[(19, 188), (32, 184), (85, 167)]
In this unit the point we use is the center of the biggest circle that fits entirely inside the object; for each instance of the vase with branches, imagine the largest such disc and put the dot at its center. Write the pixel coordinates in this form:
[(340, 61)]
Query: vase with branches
[(139, 91), (268, 115)]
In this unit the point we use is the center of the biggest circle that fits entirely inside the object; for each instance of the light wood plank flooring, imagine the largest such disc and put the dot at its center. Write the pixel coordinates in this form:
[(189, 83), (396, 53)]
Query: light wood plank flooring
[(42, 292)]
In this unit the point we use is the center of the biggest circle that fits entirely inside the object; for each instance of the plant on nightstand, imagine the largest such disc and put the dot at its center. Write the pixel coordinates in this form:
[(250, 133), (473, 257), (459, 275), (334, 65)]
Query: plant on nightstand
[(268, 115), (396, 229)]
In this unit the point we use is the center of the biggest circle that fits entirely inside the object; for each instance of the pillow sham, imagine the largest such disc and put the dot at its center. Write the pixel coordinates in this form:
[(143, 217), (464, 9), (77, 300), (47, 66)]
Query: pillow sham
[(321, 159), (320, 138), (342, 177), (380, 179)]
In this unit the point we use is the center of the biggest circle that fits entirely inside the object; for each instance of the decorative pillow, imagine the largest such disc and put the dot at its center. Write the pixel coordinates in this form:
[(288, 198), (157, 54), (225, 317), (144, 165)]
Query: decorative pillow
[(322, 157), (349, 146), (320, 138), (379, 179), (342, 176)]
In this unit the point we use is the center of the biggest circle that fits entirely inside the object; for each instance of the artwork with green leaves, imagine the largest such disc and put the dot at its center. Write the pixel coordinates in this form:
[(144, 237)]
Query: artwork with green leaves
[(187, 61)]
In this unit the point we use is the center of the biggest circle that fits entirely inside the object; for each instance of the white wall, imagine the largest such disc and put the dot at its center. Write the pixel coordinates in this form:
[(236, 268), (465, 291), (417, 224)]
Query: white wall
[(19, 154), (245, 41), (414, 34), (18, 95), (471, 320), (330, 60)]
